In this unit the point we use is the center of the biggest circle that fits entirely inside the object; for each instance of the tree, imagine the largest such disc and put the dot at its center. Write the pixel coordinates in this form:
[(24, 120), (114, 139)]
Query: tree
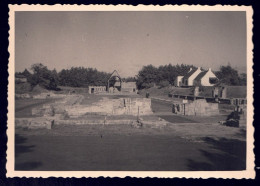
[(26, 73), (243, 79), (147, 76), (43, 77), (82, 77), (227, 75), (129, 79), (163, 83), (162, 76)]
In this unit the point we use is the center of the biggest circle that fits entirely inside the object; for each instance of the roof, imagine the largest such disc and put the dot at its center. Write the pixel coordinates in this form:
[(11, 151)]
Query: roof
[(190, 73), (114, 73), (201, 75)]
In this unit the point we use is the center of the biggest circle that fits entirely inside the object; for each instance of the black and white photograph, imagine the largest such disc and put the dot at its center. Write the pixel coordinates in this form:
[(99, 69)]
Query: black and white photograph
[(124, 90)]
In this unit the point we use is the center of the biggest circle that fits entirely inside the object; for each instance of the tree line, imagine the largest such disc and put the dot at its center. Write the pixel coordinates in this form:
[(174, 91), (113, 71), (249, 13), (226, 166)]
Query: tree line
[(165, 75), (73, 77), (162, 76), (147, 77)]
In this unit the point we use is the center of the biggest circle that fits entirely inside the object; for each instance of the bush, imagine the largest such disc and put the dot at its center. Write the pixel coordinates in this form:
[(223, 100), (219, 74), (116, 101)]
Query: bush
[(147, 85), (163, 83)]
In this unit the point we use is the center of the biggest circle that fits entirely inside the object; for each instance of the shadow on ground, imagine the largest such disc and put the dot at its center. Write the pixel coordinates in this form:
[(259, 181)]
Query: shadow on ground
[(241, 134), (27, 165), (225, 154), (21, 147)]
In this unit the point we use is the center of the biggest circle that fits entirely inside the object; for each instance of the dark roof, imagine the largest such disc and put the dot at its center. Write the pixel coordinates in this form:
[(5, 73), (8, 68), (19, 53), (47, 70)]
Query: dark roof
[(115, 73), (190, 73), (198, 78)]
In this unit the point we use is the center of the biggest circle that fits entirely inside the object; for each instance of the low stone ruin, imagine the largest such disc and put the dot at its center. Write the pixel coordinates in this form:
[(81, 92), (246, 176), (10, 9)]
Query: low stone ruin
[(72, 107), (70, 110), (196, 108), (120, 106), (96, 89), (35, 123)]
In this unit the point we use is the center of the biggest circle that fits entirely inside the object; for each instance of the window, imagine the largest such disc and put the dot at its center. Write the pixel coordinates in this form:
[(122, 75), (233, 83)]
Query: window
[(213, 80)]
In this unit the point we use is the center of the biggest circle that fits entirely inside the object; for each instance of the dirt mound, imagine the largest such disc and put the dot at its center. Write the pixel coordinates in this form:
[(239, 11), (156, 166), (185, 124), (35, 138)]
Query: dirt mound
[(21, 88), (38, 89)]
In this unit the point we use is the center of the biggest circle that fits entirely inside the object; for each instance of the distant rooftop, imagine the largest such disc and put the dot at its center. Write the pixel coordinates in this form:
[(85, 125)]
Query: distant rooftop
[(190, 73), (198, 78)]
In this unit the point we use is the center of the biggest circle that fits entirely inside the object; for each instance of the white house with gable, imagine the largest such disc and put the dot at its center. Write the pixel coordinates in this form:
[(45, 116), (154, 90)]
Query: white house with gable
[(206, 78), (197, 77)]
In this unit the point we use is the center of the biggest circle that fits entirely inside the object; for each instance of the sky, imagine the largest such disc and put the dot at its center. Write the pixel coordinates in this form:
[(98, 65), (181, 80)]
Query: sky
[(126, 41)]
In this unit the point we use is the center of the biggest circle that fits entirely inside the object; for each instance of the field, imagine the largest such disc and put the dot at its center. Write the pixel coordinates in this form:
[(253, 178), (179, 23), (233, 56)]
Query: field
[(184, 144)]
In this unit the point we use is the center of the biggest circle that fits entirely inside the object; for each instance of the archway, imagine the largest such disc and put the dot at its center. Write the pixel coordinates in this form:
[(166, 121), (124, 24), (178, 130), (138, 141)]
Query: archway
[(116, 81)]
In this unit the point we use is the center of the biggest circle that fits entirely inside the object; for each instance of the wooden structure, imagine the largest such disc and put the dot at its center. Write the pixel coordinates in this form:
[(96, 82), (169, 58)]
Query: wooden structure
[(117, 83)]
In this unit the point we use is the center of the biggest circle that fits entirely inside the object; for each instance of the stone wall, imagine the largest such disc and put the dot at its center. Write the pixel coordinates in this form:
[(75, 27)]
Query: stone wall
[(121, 106), (70, 107), (198, 107), (96, 89)]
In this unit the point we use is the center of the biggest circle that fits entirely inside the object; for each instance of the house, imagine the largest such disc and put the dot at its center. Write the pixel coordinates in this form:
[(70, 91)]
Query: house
[(197, 77), (129, 87), (96, 89), (116, 84), (178, 81), (20, 78), (206, 78), (188, 78)]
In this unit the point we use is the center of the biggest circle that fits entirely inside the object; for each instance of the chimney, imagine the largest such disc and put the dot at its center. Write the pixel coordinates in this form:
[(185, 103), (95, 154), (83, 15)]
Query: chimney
[(209, 69), (198, 68), (190, 69)]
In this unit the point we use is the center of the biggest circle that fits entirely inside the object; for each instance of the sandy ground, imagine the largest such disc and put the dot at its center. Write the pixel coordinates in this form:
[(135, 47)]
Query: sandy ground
[(182, 145), (179, 147)]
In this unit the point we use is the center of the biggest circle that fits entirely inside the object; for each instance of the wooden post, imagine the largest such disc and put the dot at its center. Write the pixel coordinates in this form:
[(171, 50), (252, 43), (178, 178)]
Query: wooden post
[(138, 114)]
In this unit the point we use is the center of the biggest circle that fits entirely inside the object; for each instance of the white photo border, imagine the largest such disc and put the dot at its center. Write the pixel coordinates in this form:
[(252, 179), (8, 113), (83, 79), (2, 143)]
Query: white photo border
[(250, 157)]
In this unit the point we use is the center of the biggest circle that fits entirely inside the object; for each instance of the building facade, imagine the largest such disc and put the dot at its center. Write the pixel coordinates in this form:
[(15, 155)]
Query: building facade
[(197, 77), (129, 87)]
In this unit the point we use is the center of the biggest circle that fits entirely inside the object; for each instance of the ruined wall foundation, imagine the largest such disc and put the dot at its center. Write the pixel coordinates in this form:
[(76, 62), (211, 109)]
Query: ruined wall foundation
[(198, 107)]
